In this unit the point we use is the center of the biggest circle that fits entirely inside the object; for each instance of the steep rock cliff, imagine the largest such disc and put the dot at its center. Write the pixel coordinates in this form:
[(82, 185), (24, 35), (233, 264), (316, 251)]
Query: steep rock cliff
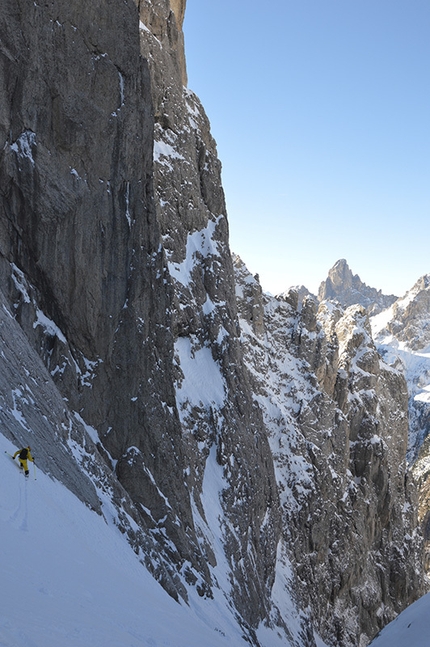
[(79, 226), (337, 422), (402, 334), (88, 126), (222, 423)]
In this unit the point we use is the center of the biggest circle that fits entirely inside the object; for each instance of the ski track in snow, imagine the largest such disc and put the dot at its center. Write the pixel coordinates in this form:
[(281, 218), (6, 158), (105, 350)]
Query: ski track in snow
[(71, 580)]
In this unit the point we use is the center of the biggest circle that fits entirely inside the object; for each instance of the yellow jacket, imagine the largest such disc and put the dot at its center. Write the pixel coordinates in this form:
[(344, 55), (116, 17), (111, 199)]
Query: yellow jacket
[(29, 456)]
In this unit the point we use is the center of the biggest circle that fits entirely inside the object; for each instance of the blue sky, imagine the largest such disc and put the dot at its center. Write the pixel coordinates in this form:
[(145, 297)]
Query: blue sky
[(320, 109)]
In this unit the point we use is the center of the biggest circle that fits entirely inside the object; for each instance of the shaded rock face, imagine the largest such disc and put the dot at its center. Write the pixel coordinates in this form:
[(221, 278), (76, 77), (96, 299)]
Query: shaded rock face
[(79, 230), (32, 410), (44, 422), (337, 422), (421, 471), (222, 425), (76, 189), (347, 288), (114, 257)]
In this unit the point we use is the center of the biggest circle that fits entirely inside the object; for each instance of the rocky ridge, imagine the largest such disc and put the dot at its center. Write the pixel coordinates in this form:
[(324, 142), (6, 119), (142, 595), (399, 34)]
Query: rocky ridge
[(401, 334), (337, 422), (222, 421)]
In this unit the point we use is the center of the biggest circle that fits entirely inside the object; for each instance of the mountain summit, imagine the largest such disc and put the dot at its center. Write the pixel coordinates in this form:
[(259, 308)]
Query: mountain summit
[(347, 288)]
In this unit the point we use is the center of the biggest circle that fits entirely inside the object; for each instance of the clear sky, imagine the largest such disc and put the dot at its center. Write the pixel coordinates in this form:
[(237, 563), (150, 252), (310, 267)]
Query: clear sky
[(321, 113)]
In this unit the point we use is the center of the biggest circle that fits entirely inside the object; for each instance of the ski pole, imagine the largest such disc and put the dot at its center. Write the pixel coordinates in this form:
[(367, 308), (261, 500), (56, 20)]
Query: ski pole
[(34, 467)]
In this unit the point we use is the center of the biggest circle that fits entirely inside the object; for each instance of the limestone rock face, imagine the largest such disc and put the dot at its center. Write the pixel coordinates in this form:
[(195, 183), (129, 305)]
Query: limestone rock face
[(223, 428), (409, 318), (114, 258), (33, 411), (347, 288), (49, 420), (337, 422), (80, 242), (162, 20), (403, 338)]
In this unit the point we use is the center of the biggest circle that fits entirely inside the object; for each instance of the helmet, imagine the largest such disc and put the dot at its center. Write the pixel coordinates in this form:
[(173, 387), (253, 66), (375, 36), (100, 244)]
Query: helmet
[(28, 447)]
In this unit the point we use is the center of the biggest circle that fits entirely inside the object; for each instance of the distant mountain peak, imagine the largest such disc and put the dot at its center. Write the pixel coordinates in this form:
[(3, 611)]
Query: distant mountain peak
[(347, 288)]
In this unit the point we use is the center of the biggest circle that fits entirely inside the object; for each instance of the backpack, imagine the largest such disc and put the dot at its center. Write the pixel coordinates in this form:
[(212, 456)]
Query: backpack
[(23, 455)]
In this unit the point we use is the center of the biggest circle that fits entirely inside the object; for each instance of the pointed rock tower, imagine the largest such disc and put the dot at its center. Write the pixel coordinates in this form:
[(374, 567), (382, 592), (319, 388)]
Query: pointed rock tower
[(347, 288)]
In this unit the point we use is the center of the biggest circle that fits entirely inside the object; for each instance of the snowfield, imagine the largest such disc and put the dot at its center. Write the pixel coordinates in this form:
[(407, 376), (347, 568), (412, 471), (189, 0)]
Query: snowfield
[(409, 629), (71, 580)]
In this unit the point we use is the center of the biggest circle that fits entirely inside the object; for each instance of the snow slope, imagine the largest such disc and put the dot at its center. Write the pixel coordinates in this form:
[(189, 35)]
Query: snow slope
[(70, 579), (410, 628)]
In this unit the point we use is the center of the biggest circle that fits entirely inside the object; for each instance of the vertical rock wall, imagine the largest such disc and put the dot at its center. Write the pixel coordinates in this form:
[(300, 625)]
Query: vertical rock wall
[(78, 222), (83, 251), (224, 428)]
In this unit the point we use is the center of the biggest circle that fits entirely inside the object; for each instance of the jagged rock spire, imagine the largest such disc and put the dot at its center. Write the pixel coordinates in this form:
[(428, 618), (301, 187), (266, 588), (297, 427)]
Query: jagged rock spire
[(347, 288)]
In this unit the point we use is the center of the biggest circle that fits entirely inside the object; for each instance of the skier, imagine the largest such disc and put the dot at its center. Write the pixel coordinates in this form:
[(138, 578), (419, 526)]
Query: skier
[(24, 455)]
